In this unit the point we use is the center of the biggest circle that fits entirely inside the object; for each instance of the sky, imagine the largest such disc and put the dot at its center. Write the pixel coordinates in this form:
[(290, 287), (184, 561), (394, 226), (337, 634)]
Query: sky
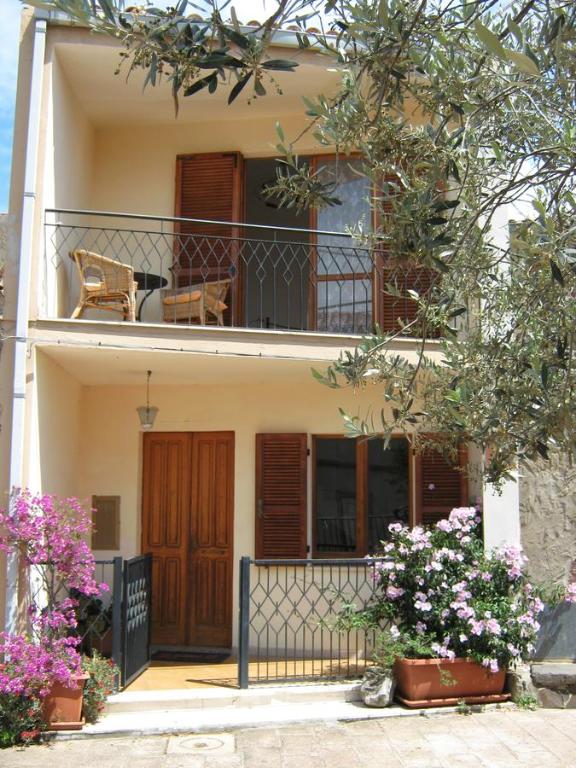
[(9, 26), (10, 15)]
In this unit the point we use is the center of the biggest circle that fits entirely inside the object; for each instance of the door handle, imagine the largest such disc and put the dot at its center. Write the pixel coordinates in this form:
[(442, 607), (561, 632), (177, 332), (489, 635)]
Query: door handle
[(260, 509)]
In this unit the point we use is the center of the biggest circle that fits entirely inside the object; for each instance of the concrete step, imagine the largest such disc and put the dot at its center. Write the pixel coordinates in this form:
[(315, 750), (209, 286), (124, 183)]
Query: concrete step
[(219, 719), (138, 702)]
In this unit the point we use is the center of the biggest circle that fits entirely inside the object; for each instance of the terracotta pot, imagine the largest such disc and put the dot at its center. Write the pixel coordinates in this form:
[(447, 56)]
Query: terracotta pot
[(440, 682), (62, 708)]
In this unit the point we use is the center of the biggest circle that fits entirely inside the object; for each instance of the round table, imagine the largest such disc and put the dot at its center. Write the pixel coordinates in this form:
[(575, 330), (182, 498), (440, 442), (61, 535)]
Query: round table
[(149, 282)]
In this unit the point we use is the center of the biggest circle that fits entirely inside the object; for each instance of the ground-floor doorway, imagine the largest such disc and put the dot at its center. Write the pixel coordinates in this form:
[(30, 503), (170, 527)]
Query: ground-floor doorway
[(188, 526)]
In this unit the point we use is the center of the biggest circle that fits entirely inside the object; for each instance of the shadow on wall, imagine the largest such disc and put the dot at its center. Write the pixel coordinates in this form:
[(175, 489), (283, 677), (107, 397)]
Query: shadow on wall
[(557, 636)]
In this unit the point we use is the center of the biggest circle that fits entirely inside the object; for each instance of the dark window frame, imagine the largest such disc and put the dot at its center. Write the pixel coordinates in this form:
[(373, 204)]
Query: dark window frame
[(361, 494)]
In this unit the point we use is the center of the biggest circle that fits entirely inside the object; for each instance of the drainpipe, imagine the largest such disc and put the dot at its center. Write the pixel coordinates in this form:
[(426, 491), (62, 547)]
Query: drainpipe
[(16, 473)]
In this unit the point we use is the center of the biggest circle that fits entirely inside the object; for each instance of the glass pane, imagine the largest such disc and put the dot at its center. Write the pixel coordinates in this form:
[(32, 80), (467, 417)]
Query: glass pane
[(341, 259), (335, 495), (353, 191), (344, 306), (388, 497)]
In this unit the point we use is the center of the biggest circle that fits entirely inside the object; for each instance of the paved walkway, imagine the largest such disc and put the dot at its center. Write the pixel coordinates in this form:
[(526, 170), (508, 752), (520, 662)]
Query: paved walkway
[(501, 739)]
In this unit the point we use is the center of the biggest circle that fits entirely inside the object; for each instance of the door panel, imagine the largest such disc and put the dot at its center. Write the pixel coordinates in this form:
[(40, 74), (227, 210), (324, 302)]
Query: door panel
[(212, 539), (165, 522), (187, 511)]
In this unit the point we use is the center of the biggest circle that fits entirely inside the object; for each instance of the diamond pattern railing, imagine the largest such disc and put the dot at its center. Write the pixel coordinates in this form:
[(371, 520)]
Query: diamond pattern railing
[(277, 278), (288, 615)]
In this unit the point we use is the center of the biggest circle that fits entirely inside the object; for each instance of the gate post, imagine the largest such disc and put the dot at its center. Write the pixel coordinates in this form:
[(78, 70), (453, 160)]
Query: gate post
[(117, 564), (244, 622)]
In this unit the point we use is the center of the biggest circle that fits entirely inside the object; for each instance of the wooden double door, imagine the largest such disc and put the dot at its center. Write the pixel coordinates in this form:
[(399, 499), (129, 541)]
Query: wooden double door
[(188, 526)]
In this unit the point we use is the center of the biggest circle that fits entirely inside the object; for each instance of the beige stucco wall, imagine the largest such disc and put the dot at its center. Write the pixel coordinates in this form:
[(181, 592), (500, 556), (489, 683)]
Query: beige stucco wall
[(68, 149), (53, 460), (134, 168), (548, 517)]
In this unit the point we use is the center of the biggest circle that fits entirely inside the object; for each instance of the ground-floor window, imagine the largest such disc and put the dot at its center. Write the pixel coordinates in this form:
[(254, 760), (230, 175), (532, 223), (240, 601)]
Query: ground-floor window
[(346, 492), (359, 489)]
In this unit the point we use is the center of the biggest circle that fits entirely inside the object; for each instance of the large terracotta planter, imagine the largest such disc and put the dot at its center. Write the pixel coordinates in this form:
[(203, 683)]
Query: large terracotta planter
[(62, 708), (440, 682)]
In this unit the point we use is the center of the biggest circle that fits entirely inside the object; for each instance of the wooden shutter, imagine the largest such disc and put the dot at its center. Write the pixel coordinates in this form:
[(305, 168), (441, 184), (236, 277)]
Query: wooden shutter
[(210, 187), (440, 486), (404, 308), (392, 309), (281, 495)]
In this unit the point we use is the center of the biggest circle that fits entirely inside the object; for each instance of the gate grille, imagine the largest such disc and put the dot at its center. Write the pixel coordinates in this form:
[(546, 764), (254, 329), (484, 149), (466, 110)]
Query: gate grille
[(288, 615), (137, 610)]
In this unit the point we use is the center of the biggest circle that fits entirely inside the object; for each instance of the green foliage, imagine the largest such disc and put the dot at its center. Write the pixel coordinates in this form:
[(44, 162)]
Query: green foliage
[(462, 708), (101, 683), (20, 720), (527, 702)]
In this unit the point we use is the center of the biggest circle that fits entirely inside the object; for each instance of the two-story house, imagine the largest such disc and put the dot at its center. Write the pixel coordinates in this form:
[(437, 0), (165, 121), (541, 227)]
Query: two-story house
[(146, 243)]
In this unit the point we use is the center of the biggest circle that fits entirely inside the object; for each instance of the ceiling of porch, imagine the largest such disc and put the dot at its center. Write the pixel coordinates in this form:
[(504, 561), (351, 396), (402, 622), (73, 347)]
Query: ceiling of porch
[(91, 366), (89, 63)]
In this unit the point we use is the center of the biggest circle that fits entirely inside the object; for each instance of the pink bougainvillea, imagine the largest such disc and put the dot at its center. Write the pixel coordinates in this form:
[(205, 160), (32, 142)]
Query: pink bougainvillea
[(49, 534)]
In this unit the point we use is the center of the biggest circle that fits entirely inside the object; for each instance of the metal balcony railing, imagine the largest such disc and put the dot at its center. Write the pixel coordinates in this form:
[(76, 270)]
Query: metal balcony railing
[(202, 272)]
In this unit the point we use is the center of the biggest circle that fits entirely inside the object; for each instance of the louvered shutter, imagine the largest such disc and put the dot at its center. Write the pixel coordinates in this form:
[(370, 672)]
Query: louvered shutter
[(440, 486), (281, 495), (392, 309), (208, 187), (396, 308)]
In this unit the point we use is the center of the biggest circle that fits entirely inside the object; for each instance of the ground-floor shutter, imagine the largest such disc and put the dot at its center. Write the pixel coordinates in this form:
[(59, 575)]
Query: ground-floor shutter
[(281, 482), (440, 485)]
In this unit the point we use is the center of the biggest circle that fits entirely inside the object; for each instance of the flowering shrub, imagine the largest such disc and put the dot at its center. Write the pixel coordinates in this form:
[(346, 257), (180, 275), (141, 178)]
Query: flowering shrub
[(99, 685), (49, 535), (445, 597), (20, 720)]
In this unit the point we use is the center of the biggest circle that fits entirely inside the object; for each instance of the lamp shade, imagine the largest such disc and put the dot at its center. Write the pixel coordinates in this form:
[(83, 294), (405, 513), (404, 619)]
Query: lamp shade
[(147, 415)]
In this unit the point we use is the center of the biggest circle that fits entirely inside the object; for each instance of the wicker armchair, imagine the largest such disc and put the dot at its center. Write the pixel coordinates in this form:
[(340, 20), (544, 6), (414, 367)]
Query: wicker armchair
[(105, 284), (203, 302)]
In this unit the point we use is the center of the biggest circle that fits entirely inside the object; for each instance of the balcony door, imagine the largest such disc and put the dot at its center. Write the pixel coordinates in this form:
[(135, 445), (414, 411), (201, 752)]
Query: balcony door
[(210, 187), (342, 297)]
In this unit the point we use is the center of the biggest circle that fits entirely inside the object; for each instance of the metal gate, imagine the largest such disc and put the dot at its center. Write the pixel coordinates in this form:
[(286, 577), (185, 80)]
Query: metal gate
[(136, 616)]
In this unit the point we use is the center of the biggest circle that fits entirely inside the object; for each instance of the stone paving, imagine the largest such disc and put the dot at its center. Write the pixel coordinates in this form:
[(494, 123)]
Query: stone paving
[(497, 739)]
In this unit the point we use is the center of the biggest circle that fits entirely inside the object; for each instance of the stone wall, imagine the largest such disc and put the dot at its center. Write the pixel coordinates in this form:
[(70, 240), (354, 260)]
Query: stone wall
[(548, 518)]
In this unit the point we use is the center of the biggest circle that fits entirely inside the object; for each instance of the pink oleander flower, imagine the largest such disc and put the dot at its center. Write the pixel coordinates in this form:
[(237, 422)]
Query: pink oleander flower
[(476, 627), (570, 596), (394, 592), (492, 664), (493, 627)]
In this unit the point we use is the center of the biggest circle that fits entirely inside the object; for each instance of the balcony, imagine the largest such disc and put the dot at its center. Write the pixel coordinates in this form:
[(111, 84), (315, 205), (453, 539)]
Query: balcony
[(199, 272)]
